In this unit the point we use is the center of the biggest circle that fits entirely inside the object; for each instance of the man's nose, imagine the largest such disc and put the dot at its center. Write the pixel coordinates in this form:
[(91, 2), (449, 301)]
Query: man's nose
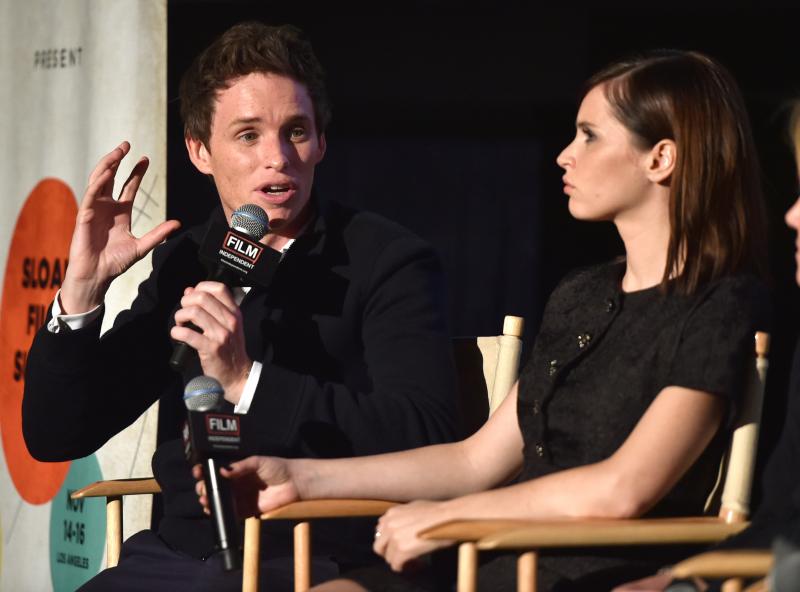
[(276, 154)]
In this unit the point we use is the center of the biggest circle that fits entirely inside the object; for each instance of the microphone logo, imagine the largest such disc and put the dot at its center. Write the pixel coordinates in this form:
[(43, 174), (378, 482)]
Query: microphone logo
[(239, 246), (226, 425), (234, 255)]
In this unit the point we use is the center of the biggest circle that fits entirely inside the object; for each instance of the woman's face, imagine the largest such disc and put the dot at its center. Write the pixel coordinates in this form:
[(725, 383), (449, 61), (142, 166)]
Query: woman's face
[(605, 171), (793, 221)]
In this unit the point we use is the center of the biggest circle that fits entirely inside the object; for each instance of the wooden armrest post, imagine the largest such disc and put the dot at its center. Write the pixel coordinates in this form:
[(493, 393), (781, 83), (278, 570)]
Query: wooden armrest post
[(113, 529), (732, 585), (252, 542), (302, 556), (113, 492), (467, 567), (526, 572), (306, 510), (759, 586)]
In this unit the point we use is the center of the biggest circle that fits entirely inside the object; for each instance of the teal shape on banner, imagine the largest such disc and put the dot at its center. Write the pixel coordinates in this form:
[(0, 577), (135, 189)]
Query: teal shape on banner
[(77, 529)]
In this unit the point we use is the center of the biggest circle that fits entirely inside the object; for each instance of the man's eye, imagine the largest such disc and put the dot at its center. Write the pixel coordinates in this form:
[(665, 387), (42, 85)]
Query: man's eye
[(297, 133), (248, 137)]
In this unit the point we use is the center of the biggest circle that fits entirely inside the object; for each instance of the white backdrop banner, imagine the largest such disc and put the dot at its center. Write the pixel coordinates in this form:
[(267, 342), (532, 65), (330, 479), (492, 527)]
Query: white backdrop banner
[(76, 78)]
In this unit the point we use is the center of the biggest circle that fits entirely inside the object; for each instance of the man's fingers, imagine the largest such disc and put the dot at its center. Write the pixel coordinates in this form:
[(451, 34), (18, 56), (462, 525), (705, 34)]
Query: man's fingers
[(220, 292), (204, 319), (190, 337), (101, 180), (148, 241), (220, 306), (110, 161), (133, 181), (96, 188)]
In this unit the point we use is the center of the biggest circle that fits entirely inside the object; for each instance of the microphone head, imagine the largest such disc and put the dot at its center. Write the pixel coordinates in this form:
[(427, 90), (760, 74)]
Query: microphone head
[(251, 220), (203, 393)]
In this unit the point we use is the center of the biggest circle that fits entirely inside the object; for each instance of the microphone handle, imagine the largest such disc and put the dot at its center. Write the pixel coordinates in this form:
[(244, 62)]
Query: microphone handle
[(218, 492), (182, 351)]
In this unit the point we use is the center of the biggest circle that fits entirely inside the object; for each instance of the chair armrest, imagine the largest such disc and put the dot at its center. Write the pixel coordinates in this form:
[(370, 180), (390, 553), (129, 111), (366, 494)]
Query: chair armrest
[(113, 491), (513, 534), (469, 530), (328, 508), (725, 564), (118, 487)]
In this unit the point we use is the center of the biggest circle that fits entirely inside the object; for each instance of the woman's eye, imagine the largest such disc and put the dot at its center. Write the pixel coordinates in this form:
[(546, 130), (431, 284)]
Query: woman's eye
[(588, 134)]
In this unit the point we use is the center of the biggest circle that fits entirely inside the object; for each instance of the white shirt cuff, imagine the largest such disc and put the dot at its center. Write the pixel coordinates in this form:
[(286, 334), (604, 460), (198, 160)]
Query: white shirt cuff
[(71, 322), (243, 406)]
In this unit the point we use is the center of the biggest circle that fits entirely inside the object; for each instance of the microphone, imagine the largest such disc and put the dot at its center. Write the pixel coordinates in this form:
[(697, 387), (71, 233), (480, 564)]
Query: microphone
[(232, 255), (251, 221), (209, 437)]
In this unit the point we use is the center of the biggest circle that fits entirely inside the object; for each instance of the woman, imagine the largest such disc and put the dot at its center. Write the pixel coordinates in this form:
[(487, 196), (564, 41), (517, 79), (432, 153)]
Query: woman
[(635, 370)]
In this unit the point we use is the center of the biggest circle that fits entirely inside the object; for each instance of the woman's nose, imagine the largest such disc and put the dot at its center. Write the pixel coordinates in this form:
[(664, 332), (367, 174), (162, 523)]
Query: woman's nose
[(565, 158), (792, 216)]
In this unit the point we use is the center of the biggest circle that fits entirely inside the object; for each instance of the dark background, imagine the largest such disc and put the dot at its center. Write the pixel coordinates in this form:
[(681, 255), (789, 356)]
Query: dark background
[(449, 122)]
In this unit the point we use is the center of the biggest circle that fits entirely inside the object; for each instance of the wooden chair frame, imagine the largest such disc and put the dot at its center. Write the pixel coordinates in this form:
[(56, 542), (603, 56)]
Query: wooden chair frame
[(478, 535), (499, 357), (733, 564), (725, 564)]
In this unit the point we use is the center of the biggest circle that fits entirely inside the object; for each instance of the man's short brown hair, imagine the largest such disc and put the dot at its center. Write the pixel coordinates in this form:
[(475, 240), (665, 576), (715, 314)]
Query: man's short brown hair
[(244, 49)]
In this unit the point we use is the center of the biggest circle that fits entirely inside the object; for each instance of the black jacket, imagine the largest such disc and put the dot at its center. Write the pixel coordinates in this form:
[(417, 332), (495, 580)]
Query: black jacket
[(351, 333)]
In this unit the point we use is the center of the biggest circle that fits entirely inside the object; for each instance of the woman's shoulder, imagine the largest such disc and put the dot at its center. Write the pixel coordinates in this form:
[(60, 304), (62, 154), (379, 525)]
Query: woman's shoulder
[(740, 296), (737, 289)]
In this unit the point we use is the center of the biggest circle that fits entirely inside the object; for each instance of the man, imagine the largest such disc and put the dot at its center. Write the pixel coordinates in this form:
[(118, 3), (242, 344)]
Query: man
[(345, 353)]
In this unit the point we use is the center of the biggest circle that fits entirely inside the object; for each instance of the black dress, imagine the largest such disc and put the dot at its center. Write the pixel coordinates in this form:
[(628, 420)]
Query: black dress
[(600, 359)]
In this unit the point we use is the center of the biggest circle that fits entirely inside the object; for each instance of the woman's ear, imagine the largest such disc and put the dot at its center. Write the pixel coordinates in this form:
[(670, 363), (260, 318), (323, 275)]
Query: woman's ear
[(661, 161), (199, 155)]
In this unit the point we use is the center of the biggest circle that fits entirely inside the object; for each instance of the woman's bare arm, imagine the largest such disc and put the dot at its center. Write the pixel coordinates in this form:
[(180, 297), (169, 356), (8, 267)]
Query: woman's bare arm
[(488, 458)]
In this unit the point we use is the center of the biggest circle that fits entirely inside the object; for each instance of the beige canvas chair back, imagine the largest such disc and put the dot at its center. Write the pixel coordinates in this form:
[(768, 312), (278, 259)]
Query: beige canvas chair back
[(740, 459), (486, 369)]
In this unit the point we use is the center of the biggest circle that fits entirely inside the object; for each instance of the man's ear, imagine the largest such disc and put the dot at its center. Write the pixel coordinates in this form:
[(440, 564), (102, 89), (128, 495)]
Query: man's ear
[(661, 161), (199, 155)]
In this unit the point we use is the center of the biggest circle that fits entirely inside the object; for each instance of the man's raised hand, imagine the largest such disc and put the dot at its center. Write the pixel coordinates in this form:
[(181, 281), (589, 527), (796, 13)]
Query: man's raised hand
[(103, 246)]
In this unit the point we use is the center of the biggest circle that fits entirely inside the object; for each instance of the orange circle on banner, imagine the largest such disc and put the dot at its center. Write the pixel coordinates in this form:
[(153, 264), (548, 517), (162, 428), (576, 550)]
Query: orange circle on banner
[(35, 268)]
